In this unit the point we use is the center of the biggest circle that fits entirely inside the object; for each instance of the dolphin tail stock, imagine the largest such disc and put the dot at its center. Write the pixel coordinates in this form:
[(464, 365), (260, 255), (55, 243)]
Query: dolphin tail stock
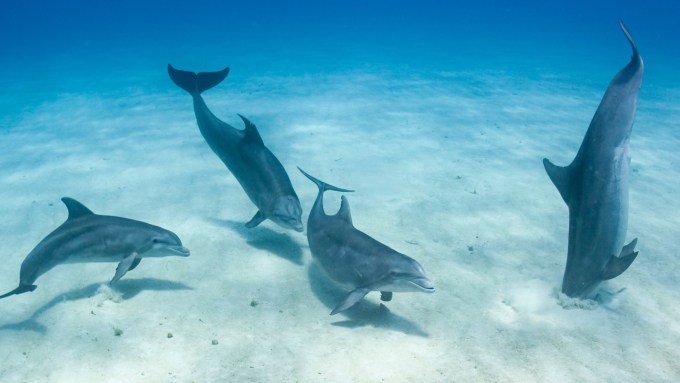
[(19, 290), (196, 83), (322, 185)]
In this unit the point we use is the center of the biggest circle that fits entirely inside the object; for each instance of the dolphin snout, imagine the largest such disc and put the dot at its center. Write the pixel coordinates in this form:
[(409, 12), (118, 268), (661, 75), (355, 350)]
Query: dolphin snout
[(180, 250), (424, 284)]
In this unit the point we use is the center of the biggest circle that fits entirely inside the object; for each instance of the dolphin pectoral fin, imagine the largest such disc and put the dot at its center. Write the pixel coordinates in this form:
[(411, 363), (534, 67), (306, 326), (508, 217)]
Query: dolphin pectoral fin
[(561, 178), (124, 266), (385, 296), (135, 263), (617, 265), (257, 219), (19, 290), (352, 298), (629, 248)]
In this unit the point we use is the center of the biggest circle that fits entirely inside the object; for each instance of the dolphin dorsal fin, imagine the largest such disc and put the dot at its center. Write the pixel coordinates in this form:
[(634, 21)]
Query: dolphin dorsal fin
[(344, 212), (561, 177), (251, 131), (75, 208)]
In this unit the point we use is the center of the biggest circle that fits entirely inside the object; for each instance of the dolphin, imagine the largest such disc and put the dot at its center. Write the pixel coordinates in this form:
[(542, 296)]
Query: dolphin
[(595, 188), (89, 237), (259, 172), (356, 261)]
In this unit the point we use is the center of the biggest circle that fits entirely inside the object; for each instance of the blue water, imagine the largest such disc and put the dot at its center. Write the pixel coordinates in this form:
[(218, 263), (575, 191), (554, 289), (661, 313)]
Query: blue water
[(437, 112), (71, 44)]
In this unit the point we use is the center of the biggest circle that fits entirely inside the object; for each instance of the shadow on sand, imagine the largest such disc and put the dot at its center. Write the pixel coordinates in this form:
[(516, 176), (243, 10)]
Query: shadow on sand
[(128, 288), (263, 238), (364, 313)]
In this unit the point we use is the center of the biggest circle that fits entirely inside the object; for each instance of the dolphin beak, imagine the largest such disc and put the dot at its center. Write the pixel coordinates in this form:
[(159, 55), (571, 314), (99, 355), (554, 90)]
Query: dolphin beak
[(179, 250), (424, 284)]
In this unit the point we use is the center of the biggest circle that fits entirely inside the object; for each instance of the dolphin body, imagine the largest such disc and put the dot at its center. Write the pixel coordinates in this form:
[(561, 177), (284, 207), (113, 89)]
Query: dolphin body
[(88, 237), (356, 261), (595, 188), (259, 172)]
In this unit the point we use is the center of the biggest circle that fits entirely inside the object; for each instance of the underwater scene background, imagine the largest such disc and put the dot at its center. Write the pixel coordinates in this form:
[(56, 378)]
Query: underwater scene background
[(438, 114)]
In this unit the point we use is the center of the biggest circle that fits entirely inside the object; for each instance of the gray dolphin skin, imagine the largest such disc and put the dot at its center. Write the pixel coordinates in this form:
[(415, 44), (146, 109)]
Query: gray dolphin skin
[(88, 237), (356, 261), (259, 172), (595, 188)]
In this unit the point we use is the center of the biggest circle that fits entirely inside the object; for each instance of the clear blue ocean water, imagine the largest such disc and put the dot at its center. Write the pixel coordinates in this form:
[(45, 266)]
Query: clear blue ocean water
[(452, 103), (71, 45)]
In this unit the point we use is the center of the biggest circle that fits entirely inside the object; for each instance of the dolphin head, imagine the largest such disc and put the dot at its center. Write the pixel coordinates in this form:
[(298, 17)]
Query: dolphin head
[(406, 275), (165, 243), (287, 212)]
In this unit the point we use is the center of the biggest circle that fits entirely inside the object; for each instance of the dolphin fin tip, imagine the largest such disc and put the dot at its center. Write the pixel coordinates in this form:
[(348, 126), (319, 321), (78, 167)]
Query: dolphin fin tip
[(19, 290)]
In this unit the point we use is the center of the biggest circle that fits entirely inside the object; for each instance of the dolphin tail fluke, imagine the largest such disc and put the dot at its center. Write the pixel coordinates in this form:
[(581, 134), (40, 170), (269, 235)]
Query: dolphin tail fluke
[(617, 265), (196, 83), (322, 185), (19, 290), (636, 54)]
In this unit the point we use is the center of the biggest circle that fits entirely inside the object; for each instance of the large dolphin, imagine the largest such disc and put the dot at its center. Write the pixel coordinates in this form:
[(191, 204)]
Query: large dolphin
[(595, 188), (259, 172), (356, 261), (89, 237)]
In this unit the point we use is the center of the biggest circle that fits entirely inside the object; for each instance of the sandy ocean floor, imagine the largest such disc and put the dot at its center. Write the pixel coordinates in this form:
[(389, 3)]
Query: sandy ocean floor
[(447, 169)]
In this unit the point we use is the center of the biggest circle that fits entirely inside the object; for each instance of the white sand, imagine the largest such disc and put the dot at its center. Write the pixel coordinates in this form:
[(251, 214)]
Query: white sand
[(447, 169)]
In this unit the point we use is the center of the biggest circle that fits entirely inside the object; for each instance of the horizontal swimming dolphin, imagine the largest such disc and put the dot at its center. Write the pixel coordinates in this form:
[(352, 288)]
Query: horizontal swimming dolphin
[(89, 237), (259, 172), (595, 188), (356, 261)]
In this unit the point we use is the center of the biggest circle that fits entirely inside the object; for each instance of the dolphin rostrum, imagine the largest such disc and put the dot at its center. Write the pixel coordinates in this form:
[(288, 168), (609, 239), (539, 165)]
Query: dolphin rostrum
[(89, 237), (259, 172), (356, 261), (595, 187)]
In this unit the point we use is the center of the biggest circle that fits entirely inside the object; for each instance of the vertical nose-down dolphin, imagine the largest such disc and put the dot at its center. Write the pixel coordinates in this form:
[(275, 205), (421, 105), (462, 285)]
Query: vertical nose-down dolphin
[(88, 237), (255, 167), (595, 187), (356, 261)]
